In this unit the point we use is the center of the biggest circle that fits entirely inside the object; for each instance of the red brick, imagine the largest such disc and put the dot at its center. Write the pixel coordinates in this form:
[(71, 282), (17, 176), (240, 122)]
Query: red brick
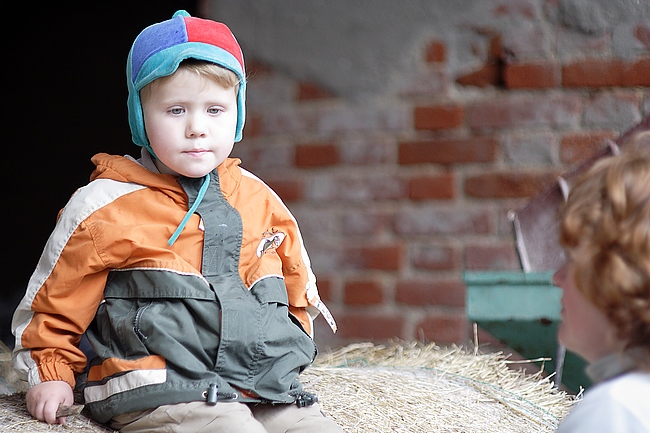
[(491, 74), (495, 48), (637, 74), (370, 326), (380, 257), (516, 110), (515, 10), (578, 146), (531, 76), (507, 184), (607, 73), (591, 73), (443, 328), (642, 33), (288, 190), (363, 292), (308, 91), (436, 52), (432, 187), (435, 258), (253, 126), (428, 292), (324, 288), (439, 117), (316, 155), (492, 257), (471, 150)]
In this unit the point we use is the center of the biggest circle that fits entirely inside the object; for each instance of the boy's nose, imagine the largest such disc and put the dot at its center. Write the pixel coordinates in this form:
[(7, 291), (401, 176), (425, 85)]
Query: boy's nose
[(195, 127)]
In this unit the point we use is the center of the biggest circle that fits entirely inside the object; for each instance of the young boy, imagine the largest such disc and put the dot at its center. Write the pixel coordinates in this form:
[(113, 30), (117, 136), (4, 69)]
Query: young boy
[(605, 228), (187, 274)]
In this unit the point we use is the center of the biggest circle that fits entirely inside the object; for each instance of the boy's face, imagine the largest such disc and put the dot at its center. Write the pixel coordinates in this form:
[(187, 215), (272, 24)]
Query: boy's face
[(190, 122)]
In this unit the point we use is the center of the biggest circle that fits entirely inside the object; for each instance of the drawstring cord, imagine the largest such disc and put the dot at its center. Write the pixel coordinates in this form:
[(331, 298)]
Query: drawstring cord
[(191, 211)]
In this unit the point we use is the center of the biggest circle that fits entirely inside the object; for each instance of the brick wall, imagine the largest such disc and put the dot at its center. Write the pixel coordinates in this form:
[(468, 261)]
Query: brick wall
[(398, 195)]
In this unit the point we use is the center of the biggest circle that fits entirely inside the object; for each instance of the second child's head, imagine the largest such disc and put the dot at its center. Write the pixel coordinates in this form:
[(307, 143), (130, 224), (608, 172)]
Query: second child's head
[(605, 228), (186, 94)]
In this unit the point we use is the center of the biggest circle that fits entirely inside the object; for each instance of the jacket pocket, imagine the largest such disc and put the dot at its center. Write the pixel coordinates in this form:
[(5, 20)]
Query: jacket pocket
[(159, 313)]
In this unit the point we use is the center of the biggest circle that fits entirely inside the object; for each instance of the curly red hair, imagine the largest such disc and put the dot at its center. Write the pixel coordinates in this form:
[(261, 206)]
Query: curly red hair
[(608, 212)]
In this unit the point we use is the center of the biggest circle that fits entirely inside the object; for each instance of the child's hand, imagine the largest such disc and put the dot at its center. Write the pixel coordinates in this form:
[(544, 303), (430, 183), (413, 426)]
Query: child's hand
[(44, 399)]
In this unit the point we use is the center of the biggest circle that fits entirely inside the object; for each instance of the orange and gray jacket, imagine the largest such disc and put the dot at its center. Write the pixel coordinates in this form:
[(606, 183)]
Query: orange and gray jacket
[(228, 308)]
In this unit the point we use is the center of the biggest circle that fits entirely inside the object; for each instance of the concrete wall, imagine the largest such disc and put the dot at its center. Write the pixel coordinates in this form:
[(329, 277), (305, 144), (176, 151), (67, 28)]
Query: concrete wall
[(400, 133)]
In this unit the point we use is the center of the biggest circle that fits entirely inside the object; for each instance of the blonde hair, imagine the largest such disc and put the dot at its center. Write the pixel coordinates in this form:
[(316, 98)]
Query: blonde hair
[(220, 75), (608, 213)]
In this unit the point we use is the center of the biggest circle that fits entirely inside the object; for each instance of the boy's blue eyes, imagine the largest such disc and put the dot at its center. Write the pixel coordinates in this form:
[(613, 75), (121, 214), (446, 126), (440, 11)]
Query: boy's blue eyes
[(177, 111)]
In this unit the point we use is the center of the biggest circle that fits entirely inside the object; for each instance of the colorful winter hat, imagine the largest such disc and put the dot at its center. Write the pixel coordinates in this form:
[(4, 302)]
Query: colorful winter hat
[(160, 48)]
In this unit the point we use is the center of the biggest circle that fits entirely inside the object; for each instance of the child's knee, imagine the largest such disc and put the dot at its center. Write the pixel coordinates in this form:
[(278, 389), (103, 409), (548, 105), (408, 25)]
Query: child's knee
[(290, 418)]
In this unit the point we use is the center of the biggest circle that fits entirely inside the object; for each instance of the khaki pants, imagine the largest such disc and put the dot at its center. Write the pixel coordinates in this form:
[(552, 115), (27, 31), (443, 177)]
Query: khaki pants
[(198, 417)]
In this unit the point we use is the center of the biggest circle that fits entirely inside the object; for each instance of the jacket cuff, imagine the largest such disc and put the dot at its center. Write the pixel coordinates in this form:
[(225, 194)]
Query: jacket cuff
[(51, 371)]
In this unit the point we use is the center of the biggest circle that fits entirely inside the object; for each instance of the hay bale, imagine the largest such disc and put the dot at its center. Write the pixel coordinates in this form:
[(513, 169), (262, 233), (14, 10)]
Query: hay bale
[(397, 388), (425, 388), (14, 416), (9, 380)]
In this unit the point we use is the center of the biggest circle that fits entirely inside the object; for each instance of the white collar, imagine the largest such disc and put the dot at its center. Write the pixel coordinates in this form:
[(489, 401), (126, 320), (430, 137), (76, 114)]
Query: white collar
[(615, 364)]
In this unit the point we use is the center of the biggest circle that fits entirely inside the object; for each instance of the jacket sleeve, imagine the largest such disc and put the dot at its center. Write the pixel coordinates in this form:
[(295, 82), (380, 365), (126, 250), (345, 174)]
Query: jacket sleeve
[(260, 205), (61, 299), (304, 300)]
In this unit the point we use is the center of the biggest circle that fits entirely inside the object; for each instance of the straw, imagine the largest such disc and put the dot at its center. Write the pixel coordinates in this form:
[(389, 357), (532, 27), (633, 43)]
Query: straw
[(398, 387), (411, 387)]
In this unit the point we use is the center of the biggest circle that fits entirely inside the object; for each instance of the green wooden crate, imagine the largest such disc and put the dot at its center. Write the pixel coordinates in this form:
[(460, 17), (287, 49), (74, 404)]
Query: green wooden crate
[(523, 311)]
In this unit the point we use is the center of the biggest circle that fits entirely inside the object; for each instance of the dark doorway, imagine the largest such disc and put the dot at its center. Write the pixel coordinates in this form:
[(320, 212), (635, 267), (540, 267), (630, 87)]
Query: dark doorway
[(65, 84)]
